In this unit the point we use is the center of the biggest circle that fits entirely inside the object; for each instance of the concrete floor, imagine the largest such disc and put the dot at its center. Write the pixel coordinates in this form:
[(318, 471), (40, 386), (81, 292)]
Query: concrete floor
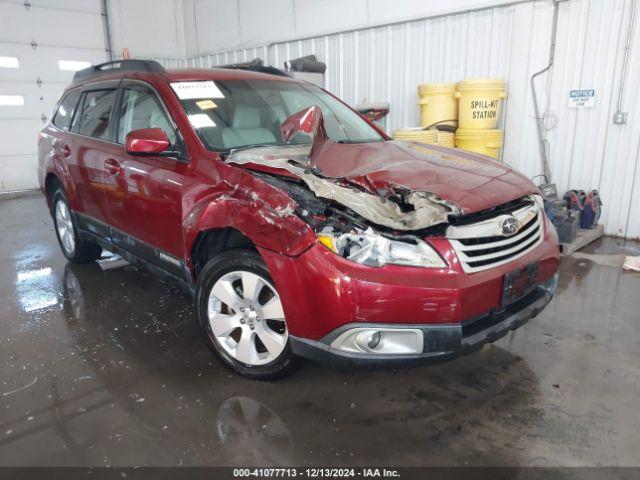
[(106, 368)]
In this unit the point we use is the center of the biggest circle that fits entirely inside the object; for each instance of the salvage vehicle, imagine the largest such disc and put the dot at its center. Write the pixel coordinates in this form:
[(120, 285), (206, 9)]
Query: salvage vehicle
[(301, 229)]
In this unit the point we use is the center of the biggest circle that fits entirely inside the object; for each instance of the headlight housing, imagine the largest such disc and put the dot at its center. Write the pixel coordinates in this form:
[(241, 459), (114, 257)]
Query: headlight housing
[(539, 201), (372, 249)]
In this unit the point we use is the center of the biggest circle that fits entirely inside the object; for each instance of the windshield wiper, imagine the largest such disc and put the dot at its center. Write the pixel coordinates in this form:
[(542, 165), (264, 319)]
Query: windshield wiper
[(352, 142)]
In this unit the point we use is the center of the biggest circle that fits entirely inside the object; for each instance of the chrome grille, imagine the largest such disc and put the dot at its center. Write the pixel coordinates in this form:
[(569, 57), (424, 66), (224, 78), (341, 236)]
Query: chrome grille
[(483, 245)]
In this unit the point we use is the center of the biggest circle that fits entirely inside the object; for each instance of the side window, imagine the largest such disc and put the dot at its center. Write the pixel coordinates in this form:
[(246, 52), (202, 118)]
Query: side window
[(140, 109), (67, 108), (94, 121), (76, 118)]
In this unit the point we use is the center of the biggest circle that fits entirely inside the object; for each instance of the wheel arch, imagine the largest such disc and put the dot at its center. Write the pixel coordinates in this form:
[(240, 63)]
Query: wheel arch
[(222, 223), (59, 179), (213, 241), (51, 184)]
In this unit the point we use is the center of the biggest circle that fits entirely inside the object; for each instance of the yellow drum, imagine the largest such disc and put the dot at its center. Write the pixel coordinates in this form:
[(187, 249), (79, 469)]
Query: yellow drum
[(486, 142), (438, 105), (432, 137), (480, 102)]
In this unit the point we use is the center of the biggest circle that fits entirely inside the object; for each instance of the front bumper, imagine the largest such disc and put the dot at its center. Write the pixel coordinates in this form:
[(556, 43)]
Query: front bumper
[(441, 342)]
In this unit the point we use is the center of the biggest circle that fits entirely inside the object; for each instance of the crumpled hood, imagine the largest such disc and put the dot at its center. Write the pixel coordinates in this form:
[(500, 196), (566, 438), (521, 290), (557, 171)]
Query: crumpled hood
[(469, 181), (404, 186)]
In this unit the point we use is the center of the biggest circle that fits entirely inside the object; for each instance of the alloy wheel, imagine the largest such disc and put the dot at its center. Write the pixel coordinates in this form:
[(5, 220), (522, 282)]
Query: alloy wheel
[(246, 317), (64, 225)]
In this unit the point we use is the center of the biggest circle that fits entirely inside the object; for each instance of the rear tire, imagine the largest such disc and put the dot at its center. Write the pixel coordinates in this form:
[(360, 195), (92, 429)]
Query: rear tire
[(240, 316), (73, 247)]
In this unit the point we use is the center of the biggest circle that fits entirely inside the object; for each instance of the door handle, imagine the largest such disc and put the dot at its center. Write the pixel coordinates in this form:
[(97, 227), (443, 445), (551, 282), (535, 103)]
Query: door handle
[(65, 150), (112, 167)]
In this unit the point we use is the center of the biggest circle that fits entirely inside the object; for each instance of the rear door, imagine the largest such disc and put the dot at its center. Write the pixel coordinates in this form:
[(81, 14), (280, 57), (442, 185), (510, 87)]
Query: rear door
[(58, 142), (144, 194), (94, 144)]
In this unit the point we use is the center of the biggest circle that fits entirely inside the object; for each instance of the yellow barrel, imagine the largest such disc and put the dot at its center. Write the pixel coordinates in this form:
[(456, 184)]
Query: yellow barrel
[(438, 106), (486, 142), (432, 137), (480, 101)]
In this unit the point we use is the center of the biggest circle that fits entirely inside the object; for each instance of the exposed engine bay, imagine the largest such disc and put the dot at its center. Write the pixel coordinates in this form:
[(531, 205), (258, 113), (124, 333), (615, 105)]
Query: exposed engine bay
[(366, 203), (400, 209), (341, 214)]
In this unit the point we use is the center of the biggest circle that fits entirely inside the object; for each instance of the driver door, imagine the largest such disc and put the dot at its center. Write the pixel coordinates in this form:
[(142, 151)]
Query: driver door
[(145, 199)]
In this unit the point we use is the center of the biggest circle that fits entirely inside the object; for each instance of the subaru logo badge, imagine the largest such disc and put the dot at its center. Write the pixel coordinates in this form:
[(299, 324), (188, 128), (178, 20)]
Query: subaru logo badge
[(509, 225)]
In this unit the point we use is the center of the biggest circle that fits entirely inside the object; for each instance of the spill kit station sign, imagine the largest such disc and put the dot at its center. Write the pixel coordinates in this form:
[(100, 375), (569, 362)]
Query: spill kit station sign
[(582, 98), (484, 109)]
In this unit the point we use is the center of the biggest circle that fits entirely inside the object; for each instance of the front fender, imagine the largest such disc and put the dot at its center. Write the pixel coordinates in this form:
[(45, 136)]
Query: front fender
[(258, 210)]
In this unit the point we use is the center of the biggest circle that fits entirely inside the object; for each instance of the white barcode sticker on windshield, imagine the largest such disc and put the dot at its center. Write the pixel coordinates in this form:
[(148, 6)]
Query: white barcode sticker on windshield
[(201, 120), (191, 90)]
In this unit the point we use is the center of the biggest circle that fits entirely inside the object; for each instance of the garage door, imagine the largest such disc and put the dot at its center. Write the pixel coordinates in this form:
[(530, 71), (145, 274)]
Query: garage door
[(41, 42)]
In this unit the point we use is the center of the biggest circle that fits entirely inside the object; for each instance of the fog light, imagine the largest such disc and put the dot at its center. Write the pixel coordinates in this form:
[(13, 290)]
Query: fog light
[(381, 341), (374, 340)]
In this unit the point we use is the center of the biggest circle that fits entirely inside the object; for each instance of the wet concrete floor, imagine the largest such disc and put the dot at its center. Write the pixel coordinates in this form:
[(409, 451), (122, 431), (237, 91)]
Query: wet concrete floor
[(106, 368)]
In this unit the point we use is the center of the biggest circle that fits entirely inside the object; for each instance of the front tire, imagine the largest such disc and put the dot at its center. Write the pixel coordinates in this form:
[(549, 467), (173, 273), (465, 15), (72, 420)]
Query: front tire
[(73, 247), (240, 316)]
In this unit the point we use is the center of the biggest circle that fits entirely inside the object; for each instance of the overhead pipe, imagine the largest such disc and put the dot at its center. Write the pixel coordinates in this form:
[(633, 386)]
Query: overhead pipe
[(542, 143), (620, 116), (106, 29)]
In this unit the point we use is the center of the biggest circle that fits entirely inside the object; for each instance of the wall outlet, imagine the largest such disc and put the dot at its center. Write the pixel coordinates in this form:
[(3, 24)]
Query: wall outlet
[(620, 117)]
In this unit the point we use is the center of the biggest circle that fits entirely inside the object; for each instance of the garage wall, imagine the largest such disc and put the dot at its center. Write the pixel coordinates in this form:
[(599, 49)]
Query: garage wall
[(34, 35), (147, 28), (46, 31), (385, 63), (377, 57), (216, 25)]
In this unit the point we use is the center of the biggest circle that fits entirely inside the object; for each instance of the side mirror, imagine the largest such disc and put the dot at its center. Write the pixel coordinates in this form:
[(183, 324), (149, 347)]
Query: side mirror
[(308, 121), (147, 141)]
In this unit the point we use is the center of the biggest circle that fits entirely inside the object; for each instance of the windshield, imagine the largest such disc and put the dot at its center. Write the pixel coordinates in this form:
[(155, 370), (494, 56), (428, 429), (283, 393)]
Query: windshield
[(230, 114)]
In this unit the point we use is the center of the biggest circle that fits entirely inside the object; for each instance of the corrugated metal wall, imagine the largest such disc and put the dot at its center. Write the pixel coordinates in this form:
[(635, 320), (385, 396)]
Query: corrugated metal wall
[(586, 149)]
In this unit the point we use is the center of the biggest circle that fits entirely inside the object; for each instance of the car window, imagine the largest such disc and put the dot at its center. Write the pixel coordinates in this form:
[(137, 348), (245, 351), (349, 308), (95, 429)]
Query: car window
[(94, 120), (141, 109), (67, 108), (235, 113), (75, 121)]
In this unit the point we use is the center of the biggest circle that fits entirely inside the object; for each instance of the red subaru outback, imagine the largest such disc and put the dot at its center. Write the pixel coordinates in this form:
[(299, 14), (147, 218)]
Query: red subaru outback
[(300, 228)]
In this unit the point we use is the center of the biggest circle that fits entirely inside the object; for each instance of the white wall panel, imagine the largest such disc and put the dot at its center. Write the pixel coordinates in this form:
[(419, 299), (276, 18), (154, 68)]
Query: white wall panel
[(321, 16), (217, 24), (38, 78), (259, 22), (12, 172), (147, 27), (43, 25), (386, 63), (18, 135), (250, 23), (87, 6)]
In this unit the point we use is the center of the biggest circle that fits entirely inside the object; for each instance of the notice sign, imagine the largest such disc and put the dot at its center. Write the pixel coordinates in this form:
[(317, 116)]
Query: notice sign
[(582, 98)]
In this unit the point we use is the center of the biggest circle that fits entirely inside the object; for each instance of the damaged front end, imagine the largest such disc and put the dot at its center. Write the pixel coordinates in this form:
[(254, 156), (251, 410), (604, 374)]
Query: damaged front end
[(371, 226)]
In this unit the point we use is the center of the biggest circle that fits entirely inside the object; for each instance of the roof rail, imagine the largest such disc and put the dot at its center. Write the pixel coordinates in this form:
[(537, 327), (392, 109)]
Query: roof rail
[(255, 65), (118, 66)]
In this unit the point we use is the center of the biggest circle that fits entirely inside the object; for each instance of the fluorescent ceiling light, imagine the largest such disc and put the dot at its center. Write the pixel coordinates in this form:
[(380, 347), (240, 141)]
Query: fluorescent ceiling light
[(9, 62), (73, 65), (11, 100)]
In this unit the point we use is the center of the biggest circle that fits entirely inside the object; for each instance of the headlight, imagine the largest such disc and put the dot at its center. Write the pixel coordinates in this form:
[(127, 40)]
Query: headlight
[(539, 200), (374, 250)]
